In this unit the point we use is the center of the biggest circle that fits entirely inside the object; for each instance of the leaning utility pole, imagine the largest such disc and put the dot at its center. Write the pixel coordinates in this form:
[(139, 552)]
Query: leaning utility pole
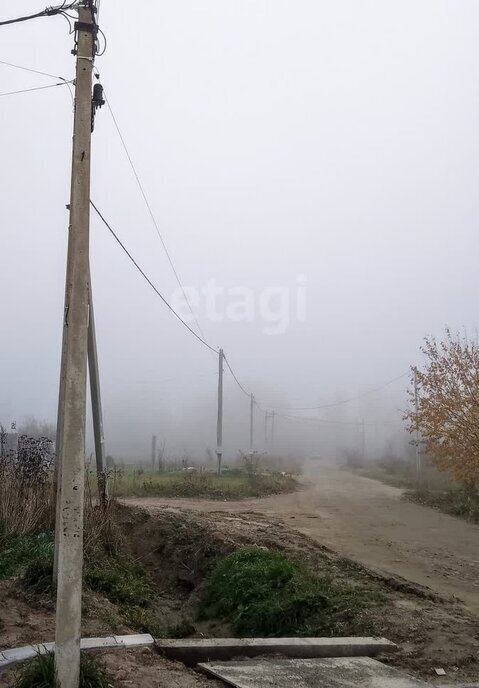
[(219, 423), (96, 406), (72, 411), (251, 423)]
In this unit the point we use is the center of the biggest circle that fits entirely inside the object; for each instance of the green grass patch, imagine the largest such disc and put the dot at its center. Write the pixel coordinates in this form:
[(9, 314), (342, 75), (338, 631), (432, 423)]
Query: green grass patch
[(18, 552), (177, 484), (121, 579), (40, 673), (38, 576), (263, 592)]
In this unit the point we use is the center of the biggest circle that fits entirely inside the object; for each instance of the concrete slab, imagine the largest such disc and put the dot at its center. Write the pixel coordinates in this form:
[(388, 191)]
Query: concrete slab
[(141, 640), (19, 654), (10, 658), (190, 652), (337, 672), (98, 643)]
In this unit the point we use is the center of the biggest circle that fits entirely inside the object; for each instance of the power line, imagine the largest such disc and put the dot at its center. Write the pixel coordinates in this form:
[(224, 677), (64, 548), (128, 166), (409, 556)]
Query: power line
[(150, 211), (235, 378), (38, 88), (328, 421), (47, 12), (203, 341), (343, 401), (34, 71), (37, 71)]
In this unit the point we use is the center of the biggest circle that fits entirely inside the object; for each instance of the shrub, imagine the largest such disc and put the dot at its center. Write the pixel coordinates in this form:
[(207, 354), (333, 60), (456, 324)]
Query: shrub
[(262, 592)]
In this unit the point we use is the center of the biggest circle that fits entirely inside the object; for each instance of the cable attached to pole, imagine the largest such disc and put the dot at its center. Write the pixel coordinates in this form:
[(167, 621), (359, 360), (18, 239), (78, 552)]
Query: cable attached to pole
[(37, 88), (47, 12)]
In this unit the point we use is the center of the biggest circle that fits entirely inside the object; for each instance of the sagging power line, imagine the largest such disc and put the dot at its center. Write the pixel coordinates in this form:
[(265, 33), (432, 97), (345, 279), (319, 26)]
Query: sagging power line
[(145, 276), (151, 213), (343, 401), (267, 408)]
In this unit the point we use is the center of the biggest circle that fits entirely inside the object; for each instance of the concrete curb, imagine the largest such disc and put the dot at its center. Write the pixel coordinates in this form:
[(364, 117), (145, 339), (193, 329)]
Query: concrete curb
[(191, 652), (10, 658)]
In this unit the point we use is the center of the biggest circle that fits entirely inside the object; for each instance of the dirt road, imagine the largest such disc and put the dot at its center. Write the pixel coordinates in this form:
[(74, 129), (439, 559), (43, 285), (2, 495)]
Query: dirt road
[(371, 523)]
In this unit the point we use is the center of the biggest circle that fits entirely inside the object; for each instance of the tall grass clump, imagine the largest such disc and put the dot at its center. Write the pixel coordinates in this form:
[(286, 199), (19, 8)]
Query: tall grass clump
[(25, 486), (40, 673)]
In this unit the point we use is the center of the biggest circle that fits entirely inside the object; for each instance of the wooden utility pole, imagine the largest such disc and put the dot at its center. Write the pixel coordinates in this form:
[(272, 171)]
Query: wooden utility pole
[(153, 452), (251, 423), (72, 406), (96, 406), (219, 423)]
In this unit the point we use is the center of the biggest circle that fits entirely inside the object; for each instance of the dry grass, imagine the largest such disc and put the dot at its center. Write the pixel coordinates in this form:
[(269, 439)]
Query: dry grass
[(26, 492)]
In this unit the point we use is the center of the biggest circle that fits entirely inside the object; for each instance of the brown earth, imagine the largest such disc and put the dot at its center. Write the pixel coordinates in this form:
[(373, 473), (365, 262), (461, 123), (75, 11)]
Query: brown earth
[(411, 554), (142, 668), (369, 522)]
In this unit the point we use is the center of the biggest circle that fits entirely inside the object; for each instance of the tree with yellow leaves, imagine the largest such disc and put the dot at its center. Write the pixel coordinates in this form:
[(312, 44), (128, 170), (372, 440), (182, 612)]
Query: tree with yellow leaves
[(447, 414)]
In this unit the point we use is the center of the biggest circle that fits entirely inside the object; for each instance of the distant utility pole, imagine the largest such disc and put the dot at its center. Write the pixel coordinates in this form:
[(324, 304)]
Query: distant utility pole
[(219, 423), (96, 406), (273, 414), (72, 407), (251, 423), (266, 428), (363, 439), (416, 408), (153, 452)]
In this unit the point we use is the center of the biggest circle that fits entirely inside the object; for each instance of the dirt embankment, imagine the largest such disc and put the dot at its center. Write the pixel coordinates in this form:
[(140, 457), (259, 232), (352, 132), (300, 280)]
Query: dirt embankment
[(371, 523), (179, 544), (178, 541)]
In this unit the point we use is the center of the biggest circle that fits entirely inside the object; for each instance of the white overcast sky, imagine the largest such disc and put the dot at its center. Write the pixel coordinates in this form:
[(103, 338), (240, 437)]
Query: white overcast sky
[(274, 138)]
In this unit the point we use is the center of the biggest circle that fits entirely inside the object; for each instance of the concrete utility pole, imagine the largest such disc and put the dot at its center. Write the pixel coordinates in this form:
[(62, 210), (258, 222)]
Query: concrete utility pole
[(363, 439), (418, 453), (219, 423), (273, 415), (266, 428), (251, 423), (96, 406), (72, 406), (153, 452)]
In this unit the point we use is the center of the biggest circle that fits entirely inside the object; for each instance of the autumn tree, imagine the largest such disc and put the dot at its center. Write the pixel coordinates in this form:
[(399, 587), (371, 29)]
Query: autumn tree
[(447, 415)]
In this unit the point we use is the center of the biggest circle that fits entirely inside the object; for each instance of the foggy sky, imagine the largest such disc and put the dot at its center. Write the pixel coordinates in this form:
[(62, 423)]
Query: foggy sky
[(274, 138)]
